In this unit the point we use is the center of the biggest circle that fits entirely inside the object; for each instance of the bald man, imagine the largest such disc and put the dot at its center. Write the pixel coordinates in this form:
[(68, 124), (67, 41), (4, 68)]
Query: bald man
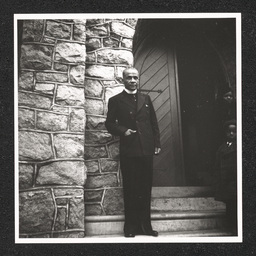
[(132, 117)]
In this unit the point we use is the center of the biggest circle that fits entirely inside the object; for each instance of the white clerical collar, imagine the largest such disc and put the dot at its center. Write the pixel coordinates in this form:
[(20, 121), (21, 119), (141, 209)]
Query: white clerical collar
[(130, 92), (229, 143)]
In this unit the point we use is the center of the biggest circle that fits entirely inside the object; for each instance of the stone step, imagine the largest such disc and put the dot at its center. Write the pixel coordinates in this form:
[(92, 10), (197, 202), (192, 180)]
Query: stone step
[(186, 204), (200, 233), (188, 224), (197, 233), (163, 222), (181, 192)]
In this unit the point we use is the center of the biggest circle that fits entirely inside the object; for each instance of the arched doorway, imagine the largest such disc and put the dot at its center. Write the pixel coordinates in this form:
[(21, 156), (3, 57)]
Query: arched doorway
[(179, 61)]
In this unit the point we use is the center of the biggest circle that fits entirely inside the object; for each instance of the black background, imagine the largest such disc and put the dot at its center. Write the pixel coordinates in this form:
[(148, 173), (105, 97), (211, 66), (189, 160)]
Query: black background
[(8, 8)]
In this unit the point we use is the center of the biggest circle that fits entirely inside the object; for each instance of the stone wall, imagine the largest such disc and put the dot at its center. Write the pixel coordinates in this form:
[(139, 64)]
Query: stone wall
[(52, 171), (68, 71), (108, 53)]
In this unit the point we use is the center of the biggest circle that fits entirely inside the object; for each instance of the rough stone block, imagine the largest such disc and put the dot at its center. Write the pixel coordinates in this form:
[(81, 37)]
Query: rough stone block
[(34, 100), (76, 206), (60, 222), (68, 192), (60, 109), (93, 88), (61, 201), (69, 145), (91, 22), (93, 196), (44, 88), (62, 173), (76, 213), (69, 234), (79, 32), (95, 122), (110, 42), (114, 150), (26, 80), (65, 20), (48, 40), (93, 209), (92, 166), (60, 67), (52, 77), (127, 43), (36, 56), (112, 20), (94, 152), (110, 92), (132, 22), (100, 71), (97, 31), (122, 29), (100, 181), (69, 95), (91, 57), (113, 56), (94, 106), (34, 146), (36, 211), (109, 83), (77, 120), (77, 74), (70, 53), (51, 122), (82, 21), (32, 30), (58, 30), (26, 118), (93, 44), (113, 201), (119, 73), (25, 176), (115, 36), (97, 137), (108, 165)]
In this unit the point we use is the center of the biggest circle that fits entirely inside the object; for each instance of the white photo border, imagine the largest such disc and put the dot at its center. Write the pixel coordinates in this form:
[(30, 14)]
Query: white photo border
[(113, 239)]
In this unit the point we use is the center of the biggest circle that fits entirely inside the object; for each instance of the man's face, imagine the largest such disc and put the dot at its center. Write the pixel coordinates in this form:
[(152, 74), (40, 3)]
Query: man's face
[(231, 132), (131, 79), (228, 97)]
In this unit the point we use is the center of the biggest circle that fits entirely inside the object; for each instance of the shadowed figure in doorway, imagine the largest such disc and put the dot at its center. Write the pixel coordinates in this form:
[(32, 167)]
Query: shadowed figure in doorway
[(226, 175)]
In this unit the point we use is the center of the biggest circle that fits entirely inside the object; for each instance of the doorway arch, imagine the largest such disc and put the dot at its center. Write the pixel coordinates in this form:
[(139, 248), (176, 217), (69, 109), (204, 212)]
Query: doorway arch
[(174, 57)]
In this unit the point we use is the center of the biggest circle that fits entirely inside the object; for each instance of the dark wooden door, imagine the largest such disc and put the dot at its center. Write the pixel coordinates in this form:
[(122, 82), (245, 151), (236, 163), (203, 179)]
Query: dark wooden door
[(158, 71)]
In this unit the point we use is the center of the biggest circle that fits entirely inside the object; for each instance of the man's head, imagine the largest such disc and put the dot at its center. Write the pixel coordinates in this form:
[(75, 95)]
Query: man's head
[(228, 97), (131, 78), (230, 130)]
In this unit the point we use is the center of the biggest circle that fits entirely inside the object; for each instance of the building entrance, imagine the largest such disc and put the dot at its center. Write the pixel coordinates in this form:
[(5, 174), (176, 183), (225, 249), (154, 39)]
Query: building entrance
[(188, 73)]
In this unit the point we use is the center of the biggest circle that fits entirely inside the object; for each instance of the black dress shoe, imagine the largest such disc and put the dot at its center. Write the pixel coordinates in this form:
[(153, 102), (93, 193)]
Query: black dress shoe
[(151, 233), (129, 234)]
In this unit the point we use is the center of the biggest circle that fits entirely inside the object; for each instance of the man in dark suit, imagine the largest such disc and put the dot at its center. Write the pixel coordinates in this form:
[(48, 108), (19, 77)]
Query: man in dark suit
[(132, 117), (226, 175)]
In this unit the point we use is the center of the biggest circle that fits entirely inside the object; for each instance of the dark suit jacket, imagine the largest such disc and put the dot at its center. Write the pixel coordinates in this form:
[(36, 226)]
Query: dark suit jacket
[(123, 114), (226, 173)]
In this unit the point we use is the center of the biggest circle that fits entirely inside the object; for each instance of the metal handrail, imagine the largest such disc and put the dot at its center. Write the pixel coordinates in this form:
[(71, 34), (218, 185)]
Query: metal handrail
[(145, 90)]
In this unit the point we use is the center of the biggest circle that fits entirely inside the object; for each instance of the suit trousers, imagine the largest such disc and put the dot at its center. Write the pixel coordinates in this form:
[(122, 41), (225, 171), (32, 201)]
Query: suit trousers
[(137, 173), (231, 215)]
